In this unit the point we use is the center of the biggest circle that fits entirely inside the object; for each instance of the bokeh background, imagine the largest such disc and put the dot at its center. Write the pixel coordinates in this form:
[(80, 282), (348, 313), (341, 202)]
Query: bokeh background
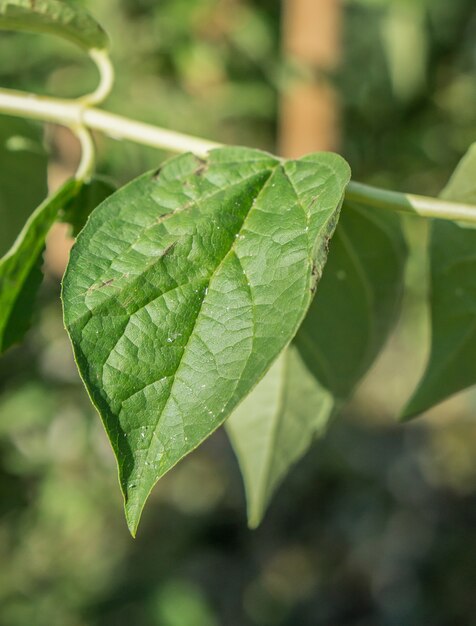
[(377, 525)]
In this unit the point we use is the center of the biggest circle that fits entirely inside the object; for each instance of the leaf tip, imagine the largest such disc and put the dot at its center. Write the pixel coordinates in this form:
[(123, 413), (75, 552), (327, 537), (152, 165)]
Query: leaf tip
[(133, 506), (133, 516), (412, 409), (254, 521), (256, 513)]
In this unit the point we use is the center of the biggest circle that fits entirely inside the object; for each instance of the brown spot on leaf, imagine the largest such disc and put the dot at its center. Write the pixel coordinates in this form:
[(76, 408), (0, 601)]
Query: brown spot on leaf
[(106, 283), (202, 167), (100, 286), (314, 278), (168, 249)]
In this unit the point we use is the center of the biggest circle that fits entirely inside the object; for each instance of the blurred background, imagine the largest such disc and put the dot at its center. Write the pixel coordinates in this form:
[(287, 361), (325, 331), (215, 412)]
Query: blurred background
[(377, 525)]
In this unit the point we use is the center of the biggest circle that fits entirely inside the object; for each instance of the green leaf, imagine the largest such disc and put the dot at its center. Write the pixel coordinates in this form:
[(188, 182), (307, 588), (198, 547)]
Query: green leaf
[(64, 18), (452, 363), (20, 268), (347, 324), (462, 185), (90, 195), (358, 300), (275, 425), (182, 290), (22, 158)]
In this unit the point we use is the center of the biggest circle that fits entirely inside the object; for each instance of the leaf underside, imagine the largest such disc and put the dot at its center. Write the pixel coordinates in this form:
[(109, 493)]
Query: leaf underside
[(22, 157), (20, 269), (452, 363), (275, 425), (56, 17), (182, 290), (348, 322), (358, 301), (78, 208)]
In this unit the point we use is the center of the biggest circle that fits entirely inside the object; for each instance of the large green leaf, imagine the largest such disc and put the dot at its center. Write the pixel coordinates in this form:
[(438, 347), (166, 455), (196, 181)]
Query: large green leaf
[(22, 158), (452, 363), (20, 268), (275, 425), (65, 18), (184, 287), (347, 324)]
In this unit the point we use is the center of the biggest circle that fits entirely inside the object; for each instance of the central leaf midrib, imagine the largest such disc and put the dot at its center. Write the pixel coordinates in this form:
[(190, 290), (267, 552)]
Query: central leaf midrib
[(271, 171), (276, 426)]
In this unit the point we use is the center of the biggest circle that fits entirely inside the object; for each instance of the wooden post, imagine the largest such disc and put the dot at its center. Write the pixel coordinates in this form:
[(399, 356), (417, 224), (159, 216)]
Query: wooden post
[(309, 117)]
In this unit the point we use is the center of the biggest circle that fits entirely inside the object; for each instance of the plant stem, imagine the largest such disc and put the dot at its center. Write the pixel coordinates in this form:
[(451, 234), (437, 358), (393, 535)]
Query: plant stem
[(423, 206), (88, 155), (106, 77), (120, 127), (77, 113)]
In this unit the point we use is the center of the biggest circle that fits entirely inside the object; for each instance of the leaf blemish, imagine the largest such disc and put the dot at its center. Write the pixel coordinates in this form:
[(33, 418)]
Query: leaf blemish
[(202, 167), (168, 249), (314, 277), (105, 283)]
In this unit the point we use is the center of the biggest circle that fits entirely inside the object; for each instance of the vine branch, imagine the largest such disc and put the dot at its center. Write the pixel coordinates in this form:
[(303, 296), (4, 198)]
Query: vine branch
[(77, 113)]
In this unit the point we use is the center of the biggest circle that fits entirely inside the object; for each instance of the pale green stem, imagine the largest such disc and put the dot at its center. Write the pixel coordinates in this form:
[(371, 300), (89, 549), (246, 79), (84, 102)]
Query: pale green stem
[(71, 112), (409, 203), (88, 154), (76, 113), (106, 77)]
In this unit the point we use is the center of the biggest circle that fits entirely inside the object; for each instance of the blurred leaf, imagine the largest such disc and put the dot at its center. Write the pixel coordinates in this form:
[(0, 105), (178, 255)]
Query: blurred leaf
[(90, 195), (357, 303), (275, 425), (67, 19), (22, 157), (404, 32), (184, 287), (452, 363), (358, 300), (20, 268), (24, 409), (462, 185), (179, 602)]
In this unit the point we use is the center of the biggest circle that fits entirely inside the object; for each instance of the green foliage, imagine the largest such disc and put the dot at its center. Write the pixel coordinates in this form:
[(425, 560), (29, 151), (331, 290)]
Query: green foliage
[(22, 157), (361, 289), (451, 366), (190, 292), (177, 310), (79, 207), (65, 18), (275, 425), (20, 268)]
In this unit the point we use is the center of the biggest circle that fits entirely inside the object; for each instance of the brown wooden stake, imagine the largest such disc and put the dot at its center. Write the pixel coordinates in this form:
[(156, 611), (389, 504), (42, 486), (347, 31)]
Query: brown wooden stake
[(309, 117)]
